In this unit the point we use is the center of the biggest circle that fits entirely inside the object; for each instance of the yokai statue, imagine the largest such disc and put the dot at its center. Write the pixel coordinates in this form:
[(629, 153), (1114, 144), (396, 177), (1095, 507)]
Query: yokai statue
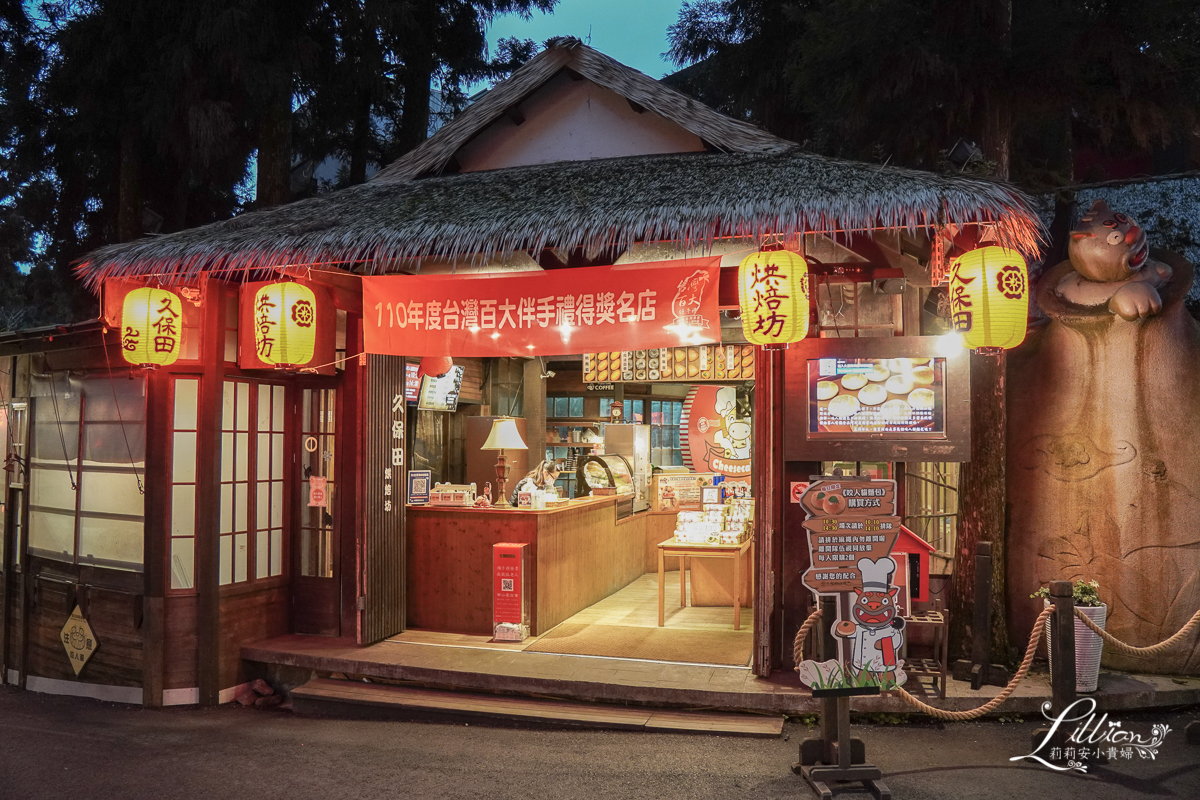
[(1103, 471), (877, 633)]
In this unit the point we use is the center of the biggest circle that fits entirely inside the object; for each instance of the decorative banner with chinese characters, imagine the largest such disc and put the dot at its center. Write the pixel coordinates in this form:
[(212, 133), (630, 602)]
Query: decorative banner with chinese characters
[(258, 336), (558, 312)]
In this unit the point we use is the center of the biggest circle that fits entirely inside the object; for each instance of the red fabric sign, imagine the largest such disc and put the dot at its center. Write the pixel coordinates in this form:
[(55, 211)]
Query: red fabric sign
[(558, 312)]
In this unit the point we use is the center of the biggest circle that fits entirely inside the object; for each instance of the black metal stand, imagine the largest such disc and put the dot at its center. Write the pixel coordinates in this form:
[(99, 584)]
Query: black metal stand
[(979, 670), (836, 756)]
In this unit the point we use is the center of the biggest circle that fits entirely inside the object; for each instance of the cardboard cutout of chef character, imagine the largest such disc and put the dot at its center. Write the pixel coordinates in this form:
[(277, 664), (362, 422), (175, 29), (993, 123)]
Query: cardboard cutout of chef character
[(877, 632)]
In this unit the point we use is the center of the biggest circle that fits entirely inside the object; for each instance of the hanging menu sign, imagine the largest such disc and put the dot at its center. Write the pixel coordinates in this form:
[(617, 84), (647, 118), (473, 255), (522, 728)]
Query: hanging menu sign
[(556, 312), (722, 362)]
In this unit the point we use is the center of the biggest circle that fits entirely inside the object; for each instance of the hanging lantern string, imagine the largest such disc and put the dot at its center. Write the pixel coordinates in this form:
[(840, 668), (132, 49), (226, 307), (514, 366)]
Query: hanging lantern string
[(117, 404)]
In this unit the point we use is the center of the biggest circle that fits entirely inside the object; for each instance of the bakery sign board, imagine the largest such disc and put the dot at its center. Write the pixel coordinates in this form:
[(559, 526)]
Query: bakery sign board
[(851, 527)]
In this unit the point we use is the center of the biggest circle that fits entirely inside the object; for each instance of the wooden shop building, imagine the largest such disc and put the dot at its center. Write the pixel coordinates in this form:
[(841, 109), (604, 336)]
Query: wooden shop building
[(570, 242)]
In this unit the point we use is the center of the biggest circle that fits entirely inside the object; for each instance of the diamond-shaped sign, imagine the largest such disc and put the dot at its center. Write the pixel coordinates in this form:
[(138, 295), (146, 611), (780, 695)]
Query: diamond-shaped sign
[(78, 640)]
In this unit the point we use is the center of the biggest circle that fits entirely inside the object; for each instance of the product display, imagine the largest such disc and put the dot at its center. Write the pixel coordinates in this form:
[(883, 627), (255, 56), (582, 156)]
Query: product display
[(719, 523)]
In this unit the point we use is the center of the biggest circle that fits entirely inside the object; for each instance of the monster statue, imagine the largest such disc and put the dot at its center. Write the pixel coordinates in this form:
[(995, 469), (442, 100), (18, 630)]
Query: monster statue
[(1103, 417)]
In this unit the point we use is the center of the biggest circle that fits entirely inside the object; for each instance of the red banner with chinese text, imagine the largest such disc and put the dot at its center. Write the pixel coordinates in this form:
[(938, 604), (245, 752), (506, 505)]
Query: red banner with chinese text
[(557, 312)]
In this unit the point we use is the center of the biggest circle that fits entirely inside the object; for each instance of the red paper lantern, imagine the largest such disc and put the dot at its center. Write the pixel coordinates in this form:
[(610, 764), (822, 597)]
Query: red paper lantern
[(435, 366)]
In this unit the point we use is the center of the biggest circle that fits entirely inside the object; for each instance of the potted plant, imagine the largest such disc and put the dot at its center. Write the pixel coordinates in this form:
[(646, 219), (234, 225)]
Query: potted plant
[(1088, 646)]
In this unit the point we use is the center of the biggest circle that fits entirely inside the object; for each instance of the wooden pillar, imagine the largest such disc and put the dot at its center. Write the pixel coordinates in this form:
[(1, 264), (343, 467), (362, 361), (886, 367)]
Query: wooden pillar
[(350, 438), (768, 493), (534, 402), (208, 493), (982, 513), (156, 531)]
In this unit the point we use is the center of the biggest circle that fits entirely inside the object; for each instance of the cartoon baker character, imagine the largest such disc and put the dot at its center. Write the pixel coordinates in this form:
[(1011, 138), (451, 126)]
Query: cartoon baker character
[(877, 632)]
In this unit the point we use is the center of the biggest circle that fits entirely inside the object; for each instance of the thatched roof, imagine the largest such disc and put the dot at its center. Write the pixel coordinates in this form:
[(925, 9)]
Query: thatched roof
[(691, 199), (718, 131)]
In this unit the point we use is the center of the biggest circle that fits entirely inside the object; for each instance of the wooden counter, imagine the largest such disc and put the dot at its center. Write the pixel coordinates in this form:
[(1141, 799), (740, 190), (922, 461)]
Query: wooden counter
[(579, 555)]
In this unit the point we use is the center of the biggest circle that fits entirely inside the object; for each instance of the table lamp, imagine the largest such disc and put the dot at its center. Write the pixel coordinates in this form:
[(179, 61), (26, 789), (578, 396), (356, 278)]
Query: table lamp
[(504, 436)]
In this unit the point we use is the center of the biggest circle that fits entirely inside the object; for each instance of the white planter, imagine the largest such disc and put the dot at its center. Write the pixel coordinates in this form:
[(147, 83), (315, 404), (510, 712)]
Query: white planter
[(1088, 647)]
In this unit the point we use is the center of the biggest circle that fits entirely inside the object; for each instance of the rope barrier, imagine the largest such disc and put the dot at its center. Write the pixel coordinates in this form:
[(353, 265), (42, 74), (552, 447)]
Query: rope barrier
[(1149, 650), (798, 644), (991, 705)]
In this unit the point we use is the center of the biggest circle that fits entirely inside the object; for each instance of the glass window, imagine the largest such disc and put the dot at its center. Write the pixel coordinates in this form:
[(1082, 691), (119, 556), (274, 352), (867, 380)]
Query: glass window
[(318, 412), (576, 407)]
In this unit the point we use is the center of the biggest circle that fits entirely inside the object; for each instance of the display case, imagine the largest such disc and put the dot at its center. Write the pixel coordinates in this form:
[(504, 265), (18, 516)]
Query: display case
[(606, 475), (633, 443)]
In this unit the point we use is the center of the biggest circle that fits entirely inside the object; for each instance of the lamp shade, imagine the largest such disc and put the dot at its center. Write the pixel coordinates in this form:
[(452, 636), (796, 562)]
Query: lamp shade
[(285, 324), (151, 324), (773, 295), (437, 366), (504, 436), (989, 297)]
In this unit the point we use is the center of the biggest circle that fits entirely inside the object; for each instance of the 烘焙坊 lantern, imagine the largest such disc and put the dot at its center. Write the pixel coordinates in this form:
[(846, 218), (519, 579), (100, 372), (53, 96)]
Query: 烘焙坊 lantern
[(285, 324), (151, 327), (989, 298), (773, 294)]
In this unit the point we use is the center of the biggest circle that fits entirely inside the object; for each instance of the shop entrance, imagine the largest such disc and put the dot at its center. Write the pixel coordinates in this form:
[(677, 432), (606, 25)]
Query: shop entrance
[(317, 564)]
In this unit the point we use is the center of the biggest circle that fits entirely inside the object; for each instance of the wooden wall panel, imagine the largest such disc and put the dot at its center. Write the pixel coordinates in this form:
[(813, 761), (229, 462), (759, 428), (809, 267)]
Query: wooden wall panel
[(249, 617), (659, 528), (583, 557), (179, 643), (450, 565), (472, 382), (113, 614), (712, 581)]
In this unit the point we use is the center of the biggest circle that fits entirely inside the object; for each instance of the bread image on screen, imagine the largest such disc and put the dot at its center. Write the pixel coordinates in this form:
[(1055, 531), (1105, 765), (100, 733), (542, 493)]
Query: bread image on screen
[(880, 373), (826, 390), (844, 406), (854, 381), (872, 395), (922, 376), (921, 399), (899, 384), (895, 411)]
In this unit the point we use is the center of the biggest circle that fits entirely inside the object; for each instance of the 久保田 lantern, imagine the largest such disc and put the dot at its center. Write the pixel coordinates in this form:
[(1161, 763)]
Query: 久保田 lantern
[(773, 293), (285, 324), (151, 327), (989, 298)]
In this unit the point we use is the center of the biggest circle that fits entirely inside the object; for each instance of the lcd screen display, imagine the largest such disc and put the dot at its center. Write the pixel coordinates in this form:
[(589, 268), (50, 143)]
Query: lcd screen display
[(879, 397)]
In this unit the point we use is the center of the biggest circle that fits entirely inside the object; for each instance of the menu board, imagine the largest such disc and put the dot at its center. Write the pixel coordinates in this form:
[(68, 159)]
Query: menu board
[(865, 396), (440, 394), (849, 519), (716, 362)]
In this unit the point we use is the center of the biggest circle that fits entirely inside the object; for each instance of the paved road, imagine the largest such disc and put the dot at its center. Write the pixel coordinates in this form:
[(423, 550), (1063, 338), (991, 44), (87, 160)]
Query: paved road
[(62, 748)]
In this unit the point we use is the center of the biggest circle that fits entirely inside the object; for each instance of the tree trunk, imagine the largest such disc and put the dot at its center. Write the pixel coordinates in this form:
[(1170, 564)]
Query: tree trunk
[(360, 140), (419, 65), (129, 190), (275, 149), (982, 509)]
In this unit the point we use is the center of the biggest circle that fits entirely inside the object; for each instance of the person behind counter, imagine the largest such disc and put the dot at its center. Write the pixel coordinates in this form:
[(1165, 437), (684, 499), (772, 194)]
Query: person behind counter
[(542, 476)]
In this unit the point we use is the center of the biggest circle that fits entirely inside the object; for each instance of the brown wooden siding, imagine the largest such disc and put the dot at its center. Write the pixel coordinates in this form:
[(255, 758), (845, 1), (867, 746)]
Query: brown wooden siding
[(179, 643), (249, 617)]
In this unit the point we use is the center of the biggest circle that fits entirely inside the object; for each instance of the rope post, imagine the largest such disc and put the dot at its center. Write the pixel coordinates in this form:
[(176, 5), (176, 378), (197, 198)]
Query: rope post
[(1062, 640), (980, 670)]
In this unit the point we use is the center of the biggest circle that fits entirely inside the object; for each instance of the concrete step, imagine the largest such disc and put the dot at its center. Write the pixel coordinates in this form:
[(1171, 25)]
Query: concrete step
[(361, 700)]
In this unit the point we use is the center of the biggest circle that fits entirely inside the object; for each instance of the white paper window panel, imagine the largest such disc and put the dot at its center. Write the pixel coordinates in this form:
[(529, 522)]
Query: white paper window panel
[(183, 457), (277, 456), (264, 407), (183, 510), (241, 508), (183, 563), (276, 552), (52, 488), (226, 508), (241, 456), (227, 398), (263, 458), (277, 504), (262, 510), (231, 345), (226, 560), (277, 395), (111, 493), (241, 556), (53, 533), (227, 457), (190, 344), (187, 393), (262, 554), (110, 540), (242, 411)]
